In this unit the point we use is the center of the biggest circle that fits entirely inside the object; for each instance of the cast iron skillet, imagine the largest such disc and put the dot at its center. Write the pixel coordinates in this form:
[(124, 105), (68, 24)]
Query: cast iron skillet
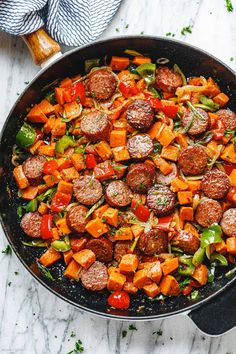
[(214, 310)]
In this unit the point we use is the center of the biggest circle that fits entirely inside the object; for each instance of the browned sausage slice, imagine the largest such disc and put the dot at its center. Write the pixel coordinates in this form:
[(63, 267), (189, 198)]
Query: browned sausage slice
[(215, 184), (33, 169), (228, 222), (167, 179), (102, 247), (197, 125), (140, 177), (167, 80), (153, 242), (101, 84), (193, 160), (188, 242), (121, 248), (118, 194), (208, 212), (30, 224), (76, 218), (140, 115), (140, 146), (161, 200), (228, 117), (95, 126), (96, 277), (87, 190)]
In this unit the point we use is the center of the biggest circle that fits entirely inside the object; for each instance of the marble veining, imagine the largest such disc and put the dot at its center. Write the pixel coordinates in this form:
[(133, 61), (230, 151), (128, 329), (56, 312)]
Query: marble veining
[(34, 321)]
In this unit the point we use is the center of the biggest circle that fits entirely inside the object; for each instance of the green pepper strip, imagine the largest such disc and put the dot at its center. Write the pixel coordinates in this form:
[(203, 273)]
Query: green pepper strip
[(63, 143), (134, 244), (186, 267), (32, 205), (91, 63), (177, 69), (198, 257), (94, 207), (154, 92), (147, 71), (211, 235), (206, 108), (209, 102), (220, 259), (26, 136), (195, 111), (61, 245)]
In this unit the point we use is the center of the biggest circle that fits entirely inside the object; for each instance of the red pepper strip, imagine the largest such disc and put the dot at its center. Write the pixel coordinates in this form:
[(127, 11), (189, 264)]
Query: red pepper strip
[(140, 211), (78, 92), (103, 170), (228, 167), (187, 290), (50, 166), (46, 226), (155, 102), (218, 132), (119, 300), (164, 223), (170, 111), (231, 196), (60, 201), (128, 88), (194, 284), (39, 134), (90, 161)]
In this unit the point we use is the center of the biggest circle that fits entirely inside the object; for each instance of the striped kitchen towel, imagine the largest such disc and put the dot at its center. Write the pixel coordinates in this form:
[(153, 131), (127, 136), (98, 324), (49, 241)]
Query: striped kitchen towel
[(72, 22)]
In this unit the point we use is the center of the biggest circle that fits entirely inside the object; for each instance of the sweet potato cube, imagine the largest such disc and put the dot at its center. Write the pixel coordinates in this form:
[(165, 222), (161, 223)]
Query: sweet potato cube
[(220, 247), (73, 270), (78, 161), (178, 185), (96, 227), (59, 128), (68, 255), (49, 257), (47, 150), (186, 213), (98, 213), (130, 288), (103, 150), (231, 244), (65, 187), (141, 278), (43, 208), (116, 281), (201, 274), (62, 226), (137, 230), (123, 234), (111, 216), (194, 185), (170, 153), (162, 164), (85, 258), (185, 197), (169, 286), (120, 153), (128, 263), (166, 136), (151, 290), (118, 138), (68, 174), (170, 265), (155, 271), (36, 115), (21, 180)]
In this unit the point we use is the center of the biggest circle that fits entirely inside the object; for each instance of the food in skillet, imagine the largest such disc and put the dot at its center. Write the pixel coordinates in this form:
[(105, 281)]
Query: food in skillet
[(130, 179)]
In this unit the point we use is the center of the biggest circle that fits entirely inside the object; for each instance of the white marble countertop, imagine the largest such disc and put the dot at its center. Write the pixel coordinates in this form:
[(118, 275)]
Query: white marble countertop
[(32, 320)]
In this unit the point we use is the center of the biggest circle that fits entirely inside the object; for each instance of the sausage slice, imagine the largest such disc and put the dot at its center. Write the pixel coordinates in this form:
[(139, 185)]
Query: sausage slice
[(140, 115), (87, 190), (228, 117), (167, 80), (193, 160), (140, 146), (33, 169), (208, 212), (215, 184), (153, 242), (76, 218), (30, 224), (140, 177), (228, 222), (95, 278), (161, 200), (102, 247), (198, 125), (188, 242), (101, 84), (118, 194), (95, 126)]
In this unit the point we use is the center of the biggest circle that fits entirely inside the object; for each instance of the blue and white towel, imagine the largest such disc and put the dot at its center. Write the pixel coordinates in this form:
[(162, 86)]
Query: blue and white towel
[(72, 22)]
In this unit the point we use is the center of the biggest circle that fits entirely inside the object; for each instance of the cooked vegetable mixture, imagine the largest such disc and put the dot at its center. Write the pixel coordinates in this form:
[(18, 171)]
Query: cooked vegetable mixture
[(130, 179)]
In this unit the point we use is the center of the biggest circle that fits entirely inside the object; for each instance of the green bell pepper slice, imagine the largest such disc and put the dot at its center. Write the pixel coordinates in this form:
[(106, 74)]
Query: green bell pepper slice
[(186, 266), (211, 235), (177, 69), (219, 259), (61, 245), (32, 205), (63, 143), (198, 257), (208, 102), (147, 72), (26, 136)]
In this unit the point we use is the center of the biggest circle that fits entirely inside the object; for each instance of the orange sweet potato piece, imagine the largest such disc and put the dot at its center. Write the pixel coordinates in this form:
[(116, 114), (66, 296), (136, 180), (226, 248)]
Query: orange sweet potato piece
[(59, 128), (128, 263), (98, 213), (120, 153), (130, 288), (186, 213), (178, 185), (111, 216), (190, 228), (29, 193), (46, 107), (194, 185), (229, 154), (85, 258), (43, 208), (170, 152), (73, 270), (116, 281), (72, 110), (166, 136), (78, 161), (36, 115), (163, 165), (68, 255), (155, 271), (154, 130), (50, 180), (96, 227), (222, 99), (62, 226), (47, 128), (49, 257), (141, 278), (124, 233), (170, 265), (118, 138), (169, 286), (137, 230), (201, 274), (103, 150), (63, 162), (221, 247), (151, 290), (185, 197), (68, 174), (34, 148), (21, 181), (65, 187), (47, 150), (231, 245)]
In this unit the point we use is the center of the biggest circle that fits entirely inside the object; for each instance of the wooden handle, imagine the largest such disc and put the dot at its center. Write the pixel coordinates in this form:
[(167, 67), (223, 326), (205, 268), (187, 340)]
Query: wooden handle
[(41, 46)]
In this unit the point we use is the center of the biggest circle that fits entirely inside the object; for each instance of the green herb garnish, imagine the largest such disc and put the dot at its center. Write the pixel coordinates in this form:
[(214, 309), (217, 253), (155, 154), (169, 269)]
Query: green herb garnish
[(7, 250), (45, 271), (132, 327), (229, 5), (78, 348), (187, 29)]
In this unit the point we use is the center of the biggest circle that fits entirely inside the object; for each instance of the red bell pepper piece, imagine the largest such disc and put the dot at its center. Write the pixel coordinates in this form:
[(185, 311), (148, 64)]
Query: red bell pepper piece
[(119, 300), (103, 170), (60, 201), (170, 111), (90, 150), (46, 227), (187, 290), (228, 167), (155, 102), (39, 134), (231, 196), (78, 92), (164, 223), (50, 166), (140, 211), (128, 88), (90, 161)]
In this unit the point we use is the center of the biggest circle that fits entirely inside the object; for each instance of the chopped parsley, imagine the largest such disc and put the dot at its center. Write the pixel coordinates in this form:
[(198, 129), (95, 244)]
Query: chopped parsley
[(124, 334), (103, 219), (26, 82), (142, 32), (194, 294), (115, 194), (127, 25), (7, 250), (72, 335), (132, 327), (170, 34), (78, 348), (16, 273), (158, 333), (186, 30), (229, 5), (117, 30), (231, 59), (9, 284), (184, 282), (45, 271), (20, 211)]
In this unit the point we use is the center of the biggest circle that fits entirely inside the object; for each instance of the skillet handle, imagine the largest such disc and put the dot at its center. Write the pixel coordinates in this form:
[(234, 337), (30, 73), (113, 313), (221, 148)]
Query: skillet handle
[(217, 316), (42, 47)]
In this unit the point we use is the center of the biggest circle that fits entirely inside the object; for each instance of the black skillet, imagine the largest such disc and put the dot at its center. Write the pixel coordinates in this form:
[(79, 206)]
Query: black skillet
[(214, 311)]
